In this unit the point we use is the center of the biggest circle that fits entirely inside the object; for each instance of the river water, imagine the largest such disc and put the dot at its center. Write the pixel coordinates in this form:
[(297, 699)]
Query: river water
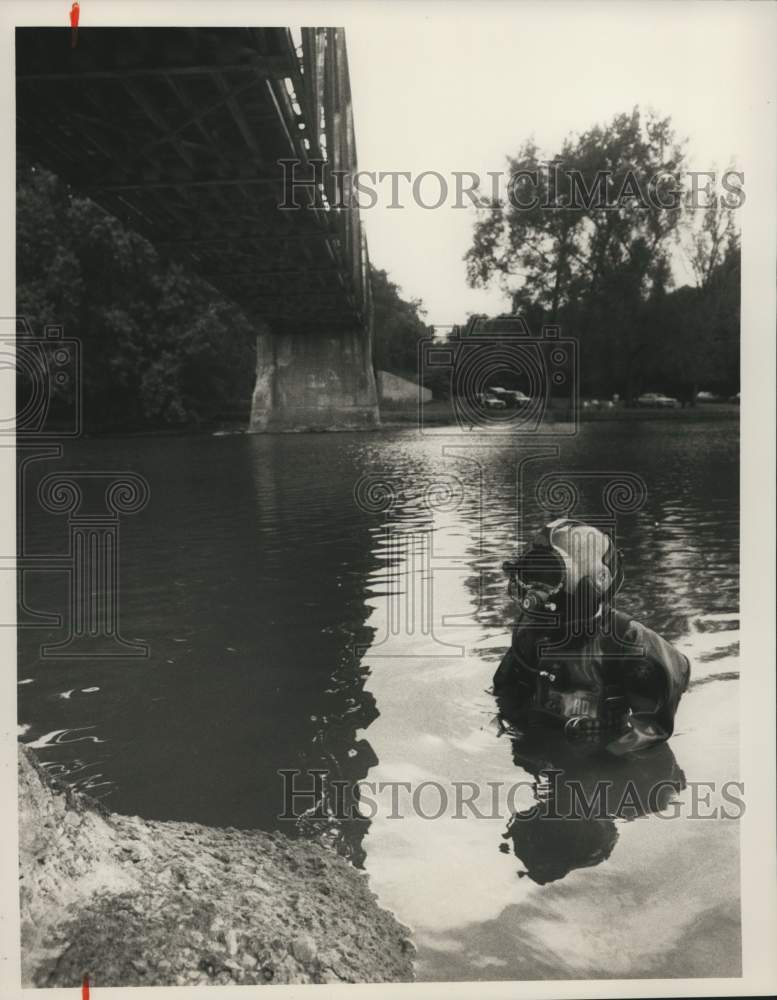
[(335, 602)]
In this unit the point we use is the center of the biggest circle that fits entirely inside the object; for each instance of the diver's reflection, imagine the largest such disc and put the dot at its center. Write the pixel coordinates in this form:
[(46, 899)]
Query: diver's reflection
[(580, 792)]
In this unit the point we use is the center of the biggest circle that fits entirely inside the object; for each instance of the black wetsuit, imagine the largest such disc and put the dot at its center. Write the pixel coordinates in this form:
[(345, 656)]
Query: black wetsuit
[(623, 681)]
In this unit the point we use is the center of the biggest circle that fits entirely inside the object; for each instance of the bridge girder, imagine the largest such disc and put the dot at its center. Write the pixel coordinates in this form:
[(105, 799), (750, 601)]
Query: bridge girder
[(179, 133)]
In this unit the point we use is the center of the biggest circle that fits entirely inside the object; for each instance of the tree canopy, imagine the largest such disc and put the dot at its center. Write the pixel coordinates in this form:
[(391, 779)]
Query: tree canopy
[(160, 347), (587, 238), (397, 326)]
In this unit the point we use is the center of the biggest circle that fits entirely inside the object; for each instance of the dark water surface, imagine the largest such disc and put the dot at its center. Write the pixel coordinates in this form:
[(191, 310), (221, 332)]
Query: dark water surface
[(336, 602)]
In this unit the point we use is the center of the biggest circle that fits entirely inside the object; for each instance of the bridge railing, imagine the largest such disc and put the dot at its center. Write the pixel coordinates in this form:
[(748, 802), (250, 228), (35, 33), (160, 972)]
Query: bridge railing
[(327, 106)]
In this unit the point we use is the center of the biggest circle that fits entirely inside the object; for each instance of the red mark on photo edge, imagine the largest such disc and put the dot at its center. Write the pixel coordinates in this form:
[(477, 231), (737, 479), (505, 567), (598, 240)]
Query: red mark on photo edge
[(85, 988), (75, 10)]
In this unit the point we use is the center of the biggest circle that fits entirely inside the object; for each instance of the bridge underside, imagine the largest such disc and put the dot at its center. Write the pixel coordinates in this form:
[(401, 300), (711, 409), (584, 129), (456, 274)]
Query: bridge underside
[(179, 132)]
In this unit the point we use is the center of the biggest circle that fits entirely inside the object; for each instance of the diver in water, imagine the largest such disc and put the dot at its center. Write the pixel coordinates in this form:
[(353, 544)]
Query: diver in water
[(575, 662)]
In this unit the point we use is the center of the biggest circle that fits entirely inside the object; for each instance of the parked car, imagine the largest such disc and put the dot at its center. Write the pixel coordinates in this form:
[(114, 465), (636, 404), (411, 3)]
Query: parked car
[(492, 402), (512, 397), (707, 397), (734, 398), (657, 400)]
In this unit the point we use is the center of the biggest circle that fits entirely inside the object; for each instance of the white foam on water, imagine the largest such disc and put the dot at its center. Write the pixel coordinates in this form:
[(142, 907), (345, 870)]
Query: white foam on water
[(56, 737)]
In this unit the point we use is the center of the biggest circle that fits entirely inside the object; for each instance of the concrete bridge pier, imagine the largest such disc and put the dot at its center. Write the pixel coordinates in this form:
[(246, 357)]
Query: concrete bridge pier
[(313, 382)]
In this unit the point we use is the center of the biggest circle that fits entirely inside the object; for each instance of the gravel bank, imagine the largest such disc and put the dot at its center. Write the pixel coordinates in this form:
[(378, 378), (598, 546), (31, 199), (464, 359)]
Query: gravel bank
[(145, 903)]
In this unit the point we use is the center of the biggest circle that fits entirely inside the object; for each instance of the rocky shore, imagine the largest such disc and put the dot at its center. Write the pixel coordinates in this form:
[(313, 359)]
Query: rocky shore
[(132, 902)]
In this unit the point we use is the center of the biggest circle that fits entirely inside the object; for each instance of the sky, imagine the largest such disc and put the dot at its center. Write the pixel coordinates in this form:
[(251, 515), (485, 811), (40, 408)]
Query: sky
[(449, 87)]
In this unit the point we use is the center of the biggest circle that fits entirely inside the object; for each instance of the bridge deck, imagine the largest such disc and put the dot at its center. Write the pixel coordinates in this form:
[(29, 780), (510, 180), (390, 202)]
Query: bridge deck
[(179, 132)]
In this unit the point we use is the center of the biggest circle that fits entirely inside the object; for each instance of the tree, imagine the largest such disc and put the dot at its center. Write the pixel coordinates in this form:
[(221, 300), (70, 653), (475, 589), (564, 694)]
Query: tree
[(572, 223), (708, 240), (159, 346), (586, 240), (397, 326), (705, 327)]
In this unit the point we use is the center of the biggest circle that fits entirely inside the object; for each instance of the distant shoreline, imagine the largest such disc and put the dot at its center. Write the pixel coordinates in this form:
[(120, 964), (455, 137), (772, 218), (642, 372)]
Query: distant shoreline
[(436, 414), (439, 414)]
